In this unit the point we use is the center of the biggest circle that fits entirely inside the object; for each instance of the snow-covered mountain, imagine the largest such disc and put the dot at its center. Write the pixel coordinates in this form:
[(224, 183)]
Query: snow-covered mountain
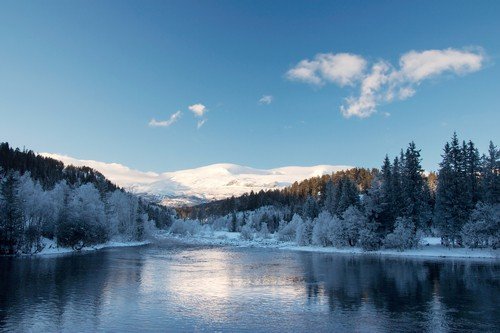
[(192, 186)]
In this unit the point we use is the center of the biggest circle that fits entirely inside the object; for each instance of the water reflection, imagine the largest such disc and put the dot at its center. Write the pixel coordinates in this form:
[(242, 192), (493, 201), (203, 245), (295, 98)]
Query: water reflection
[(422, 294), (169, 287)]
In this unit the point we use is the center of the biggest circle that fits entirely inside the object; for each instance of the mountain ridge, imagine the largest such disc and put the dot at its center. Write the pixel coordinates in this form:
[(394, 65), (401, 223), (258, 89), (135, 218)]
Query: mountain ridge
[(202, 184)]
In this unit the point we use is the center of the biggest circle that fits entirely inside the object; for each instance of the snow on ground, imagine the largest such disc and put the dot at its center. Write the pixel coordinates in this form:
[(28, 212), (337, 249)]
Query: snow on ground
[(431, 246), (51, 248)]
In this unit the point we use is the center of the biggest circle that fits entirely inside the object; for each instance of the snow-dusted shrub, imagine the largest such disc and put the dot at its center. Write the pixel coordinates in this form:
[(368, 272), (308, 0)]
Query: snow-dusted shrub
[(353, 220), (185, 227), (369, 239), (247, 232), (264, 231), (287, 231), (206, 230), (320, 232), (220, 223), (483, 227), (303, 233), (149, 228), (403, 237)]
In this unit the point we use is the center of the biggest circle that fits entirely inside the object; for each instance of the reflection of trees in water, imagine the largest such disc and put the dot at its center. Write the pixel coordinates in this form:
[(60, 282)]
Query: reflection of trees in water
[(68, 288), (465, 292), (478, 285)]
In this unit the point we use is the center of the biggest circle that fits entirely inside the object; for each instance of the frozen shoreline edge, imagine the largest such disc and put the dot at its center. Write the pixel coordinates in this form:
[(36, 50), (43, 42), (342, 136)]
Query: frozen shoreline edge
[(223, 238), (51, 248)]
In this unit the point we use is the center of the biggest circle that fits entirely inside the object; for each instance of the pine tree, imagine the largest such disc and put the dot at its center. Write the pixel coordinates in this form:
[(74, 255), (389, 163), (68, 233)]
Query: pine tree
[(349, 196), (385, 217), (234, 222), (473, 171), (329, 203), (397, 190), (452, 200), (11, 215), (139, 223), (311, 209), (491, 175), (413, 188)]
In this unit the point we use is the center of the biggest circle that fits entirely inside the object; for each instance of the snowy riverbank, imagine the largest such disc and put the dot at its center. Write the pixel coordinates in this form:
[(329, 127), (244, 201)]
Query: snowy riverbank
[(50, 247), (431, 246)]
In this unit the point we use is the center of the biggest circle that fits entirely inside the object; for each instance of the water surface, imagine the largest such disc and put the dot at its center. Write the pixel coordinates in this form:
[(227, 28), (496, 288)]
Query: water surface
[(173, 287)]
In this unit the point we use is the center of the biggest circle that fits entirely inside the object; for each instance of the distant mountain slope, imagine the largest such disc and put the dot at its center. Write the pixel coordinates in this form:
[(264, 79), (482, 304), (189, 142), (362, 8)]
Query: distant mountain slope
[(212, 182)]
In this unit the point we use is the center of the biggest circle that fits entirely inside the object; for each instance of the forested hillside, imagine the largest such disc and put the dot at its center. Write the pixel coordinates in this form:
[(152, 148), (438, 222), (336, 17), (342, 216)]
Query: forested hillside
[(293, 196), (75, 206), (393, 207)]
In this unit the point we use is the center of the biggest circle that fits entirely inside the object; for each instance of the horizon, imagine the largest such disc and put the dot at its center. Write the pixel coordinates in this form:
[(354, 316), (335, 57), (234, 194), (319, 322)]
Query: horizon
[(82, 161), (181, 85)]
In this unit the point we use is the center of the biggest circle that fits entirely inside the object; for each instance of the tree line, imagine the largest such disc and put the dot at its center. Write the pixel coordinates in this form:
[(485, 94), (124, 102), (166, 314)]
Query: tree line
[(40, 198), (292, 196)]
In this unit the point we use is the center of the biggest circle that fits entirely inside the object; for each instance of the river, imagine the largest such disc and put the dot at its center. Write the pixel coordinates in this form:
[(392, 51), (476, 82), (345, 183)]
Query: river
[(175, 287)]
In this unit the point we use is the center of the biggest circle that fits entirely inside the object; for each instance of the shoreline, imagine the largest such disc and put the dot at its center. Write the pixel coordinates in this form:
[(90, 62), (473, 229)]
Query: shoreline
[(51, 248), (431, 250)]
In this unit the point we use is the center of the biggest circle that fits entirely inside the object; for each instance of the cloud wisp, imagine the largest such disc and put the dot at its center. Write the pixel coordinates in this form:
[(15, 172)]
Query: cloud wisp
[(165, 123), (198, 109), (200, 123), (382, 82), (343, 69), (266, 99)]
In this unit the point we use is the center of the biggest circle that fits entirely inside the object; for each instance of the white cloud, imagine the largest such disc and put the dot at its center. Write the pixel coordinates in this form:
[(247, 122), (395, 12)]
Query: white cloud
[(266, 99), (365, 105), (341, 68), (383, 83), (165, 123), (200, 123), (417, 66), (198, 109)]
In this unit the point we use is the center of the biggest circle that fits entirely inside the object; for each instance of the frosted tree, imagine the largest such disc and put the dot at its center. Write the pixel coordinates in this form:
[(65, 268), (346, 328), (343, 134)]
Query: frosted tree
[(185, 227), (321, 228), (59, 197), (247, 232), (86, 222), (336, 232), (483, 227), (287, 231), (369, 237), (303, 233), (353, 220), (35, 209), (265, 219), (122, 215), (403, 237), (264, 230)]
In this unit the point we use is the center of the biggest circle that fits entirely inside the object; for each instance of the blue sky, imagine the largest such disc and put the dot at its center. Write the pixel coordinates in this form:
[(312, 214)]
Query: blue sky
[(86, 78)]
